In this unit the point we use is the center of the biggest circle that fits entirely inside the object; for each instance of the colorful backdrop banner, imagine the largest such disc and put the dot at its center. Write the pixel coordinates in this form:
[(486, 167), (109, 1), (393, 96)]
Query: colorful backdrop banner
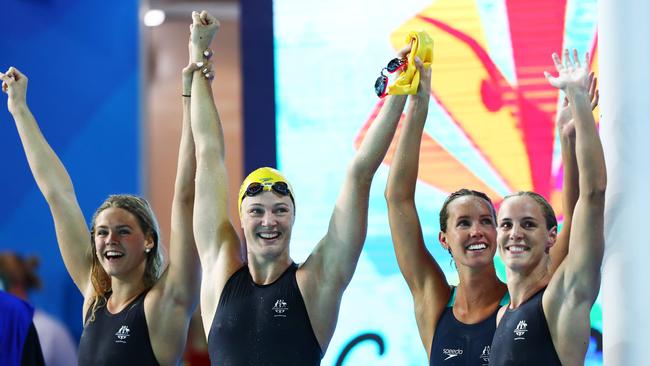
[(490, 127)]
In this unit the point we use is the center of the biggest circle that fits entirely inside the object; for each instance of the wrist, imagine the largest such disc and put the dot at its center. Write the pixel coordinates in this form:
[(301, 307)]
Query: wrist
[(576, 91), (17, 107)]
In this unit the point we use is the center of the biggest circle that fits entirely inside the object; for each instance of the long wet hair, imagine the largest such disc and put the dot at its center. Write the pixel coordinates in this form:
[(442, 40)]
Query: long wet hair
[(141, 209)]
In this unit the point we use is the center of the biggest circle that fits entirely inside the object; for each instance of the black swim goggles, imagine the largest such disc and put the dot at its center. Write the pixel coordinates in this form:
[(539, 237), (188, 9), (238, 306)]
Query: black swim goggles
[(382, 81), (280, 188)]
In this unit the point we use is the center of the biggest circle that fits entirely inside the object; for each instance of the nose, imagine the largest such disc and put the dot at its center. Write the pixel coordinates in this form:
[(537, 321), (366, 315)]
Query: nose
[(112, 237), (476, 231), (516, 233), (268, 219)]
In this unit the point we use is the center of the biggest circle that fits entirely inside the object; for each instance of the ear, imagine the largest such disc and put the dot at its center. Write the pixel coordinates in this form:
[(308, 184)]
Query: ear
[(442, 238), (149, 242), (552, 238)]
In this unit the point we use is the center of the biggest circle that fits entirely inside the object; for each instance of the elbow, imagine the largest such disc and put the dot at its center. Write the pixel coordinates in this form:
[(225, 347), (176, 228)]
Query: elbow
[(56, 197), (595, 192), (395, 196), (360, 172)]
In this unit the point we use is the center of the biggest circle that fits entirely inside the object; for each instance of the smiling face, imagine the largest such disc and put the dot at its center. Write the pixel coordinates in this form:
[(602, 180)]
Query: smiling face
[(523, 237), (120, 243), (470, 233), (267, 219)]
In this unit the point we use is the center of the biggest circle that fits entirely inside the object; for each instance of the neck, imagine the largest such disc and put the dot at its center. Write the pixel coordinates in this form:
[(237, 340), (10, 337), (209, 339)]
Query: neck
[(123, 293), (524, 284), (478, 288), (266, 270)]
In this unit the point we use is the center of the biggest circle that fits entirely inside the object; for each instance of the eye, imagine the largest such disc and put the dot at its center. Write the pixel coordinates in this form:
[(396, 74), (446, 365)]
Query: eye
[(124, 231), (255, 211), (505, 225), (102, 232), (487, 221), (463, 223), (529, 224), (281, 210)]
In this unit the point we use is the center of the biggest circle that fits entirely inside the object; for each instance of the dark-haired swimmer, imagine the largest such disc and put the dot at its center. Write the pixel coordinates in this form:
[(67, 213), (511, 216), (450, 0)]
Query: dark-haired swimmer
[(456, 323)]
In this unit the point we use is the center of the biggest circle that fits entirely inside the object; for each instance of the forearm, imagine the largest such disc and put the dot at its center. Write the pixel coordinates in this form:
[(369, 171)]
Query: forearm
[(378, 138), (184, 266), (205, 122), (48, 171), (404, 167), (589, 152), (570, 194), (186, 167)]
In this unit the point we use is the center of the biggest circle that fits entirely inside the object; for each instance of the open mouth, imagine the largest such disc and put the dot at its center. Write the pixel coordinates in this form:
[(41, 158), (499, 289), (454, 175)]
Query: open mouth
[(113, 255), (475, 247), (269, 235), (515, 249)]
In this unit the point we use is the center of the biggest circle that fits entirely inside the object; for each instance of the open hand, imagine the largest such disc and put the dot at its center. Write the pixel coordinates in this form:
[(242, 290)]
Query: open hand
[(571, 73), (564, 120)]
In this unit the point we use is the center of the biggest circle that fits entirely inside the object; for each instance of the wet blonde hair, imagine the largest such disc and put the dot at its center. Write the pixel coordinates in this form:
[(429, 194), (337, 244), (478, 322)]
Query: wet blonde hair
[(141, 209)]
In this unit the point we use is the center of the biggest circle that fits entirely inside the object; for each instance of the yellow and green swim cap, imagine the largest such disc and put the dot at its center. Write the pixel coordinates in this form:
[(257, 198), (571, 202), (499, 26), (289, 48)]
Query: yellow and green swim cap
[(265, 179)]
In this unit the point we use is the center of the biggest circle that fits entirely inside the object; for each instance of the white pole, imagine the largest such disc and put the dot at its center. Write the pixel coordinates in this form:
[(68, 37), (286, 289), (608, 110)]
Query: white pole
[(624, 64)]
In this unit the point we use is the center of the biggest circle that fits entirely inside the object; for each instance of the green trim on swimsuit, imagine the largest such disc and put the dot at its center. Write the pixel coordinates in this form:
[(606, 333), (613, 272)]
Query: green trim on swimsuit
[(505, 300)]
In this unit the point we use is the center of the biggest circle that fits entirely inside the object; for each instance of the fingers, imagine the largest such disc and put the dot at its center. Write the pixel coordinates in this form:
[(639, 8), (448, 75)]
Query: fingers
[(548, 77), (592, 85), (576, 60), (556, 62), (207, 53), (594, 102), (419, 65), (208, 71), (196, 18), (566, 59), (8, 78), (594, 95), (405, 50), (191, 67)]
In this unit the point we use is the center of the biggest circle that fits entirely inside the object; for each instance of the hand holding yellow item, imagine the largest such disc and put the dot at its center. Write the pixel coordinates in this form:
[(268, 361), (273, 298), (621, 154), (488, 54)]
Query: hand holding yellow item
[(407, 82)]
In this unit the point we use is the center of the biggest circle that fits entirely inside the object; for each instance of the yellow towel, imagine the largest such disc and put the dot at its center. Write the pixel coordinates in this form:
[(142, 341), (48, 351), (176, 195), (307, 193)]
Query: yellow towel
[(407, 82)]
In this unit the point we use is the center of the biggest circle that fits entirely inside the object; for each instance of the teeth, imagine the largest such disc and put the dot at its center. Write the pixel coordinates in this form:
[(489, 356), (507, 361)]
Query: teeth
[(477, 247), (269, 235), (516, 249), (113, 254)]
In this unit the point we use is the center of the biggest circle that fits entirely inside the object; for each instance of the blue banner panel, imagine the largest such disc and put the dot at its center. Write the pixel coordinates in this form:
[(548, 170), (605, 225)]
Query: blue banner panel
[(81, 58)]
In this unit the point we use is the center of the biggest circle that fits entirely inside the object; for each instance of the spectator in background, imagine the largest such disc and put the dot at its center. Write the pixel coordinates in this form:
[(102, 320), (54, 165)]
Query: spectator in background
[(19, 343), (19, 275)]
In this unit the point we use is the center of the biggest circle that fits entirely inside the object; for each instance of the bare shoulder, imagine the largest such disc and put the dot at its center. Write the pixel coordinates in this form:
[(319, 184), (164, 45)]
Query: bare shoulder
[(501, 312)]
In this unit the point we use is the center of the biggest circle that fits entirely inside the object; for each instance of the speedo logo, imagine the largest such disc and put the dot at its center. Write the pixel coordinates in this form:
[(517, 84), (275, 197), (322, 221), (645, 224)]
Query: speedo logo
[(451, 353)]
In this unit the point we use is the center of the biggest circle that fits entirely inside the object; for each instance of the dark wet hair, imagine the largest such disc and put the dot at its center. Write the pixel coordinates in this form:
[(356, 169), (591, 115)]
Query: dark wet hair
[(444, 212), (140, 208), (547, 209)]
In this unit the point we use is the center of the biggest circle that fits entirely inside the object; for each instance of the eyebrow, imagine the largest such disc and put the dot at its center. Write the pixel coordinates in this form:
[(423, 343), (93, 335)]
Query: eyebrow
[(117, 227)]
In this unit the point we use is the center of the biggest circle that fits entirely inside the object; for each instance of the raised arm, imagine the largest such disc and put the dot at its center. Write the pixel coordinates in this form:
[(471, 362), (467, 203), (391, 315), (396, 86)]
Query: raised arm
[(216, 239), (423, 275), (53, 181), (176, 294), (570, 191), (574, 287)]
